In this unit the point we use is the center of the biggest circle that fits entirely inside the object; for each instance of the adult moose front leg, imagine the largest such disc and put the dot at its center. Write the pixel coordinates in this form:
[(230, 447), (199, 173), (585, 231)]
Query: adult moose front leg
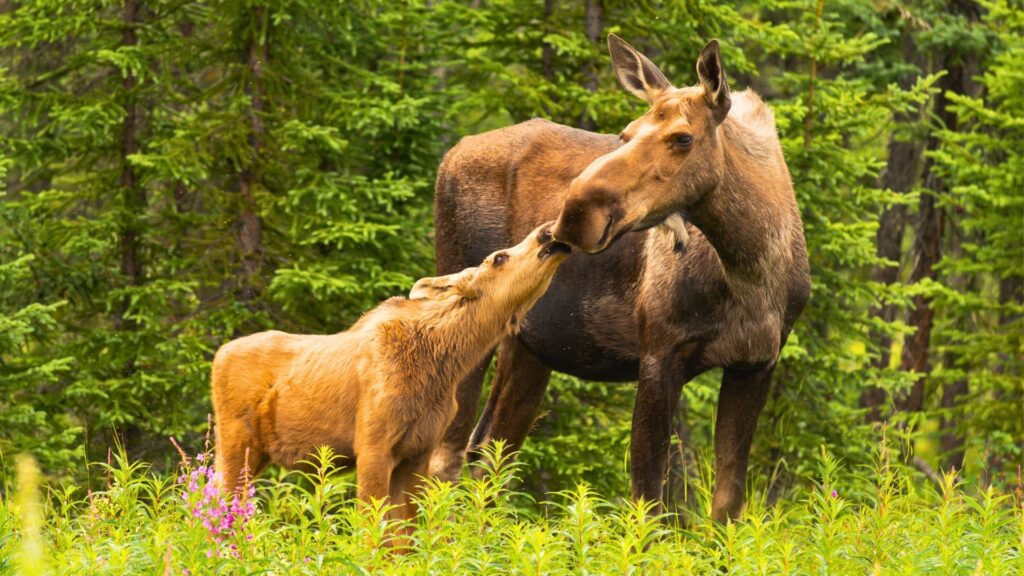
[(657, 396), (743, 395), (518, 389)]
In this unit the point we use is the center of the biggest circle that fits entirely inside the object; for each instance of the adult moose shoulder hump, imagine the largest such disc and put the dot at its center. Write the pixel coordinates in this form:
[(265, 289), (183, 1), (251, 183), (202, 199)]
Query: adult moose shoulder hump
[(723, 289)]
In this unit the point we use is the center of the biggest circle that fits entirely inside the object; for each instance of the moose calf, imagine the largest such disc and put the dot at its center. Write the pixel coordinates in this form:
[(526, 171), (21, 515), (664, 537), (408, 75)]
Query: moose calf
[(381, 394)]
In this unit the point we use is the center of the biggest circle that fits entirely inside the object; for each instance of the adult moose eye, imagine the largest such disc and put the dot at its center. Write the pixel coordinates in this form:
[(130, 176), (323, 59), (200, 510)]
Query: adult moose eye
[(683, 140), (499, 259)]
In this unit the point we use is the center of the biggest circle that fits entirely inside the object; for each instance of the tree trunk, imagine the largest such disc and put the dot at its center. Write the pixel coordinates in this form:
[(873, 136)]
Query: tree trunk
[(250, 227), (926, 254), (593, 26), (1011, 289), (961, 69), (133, 196), (951, 439), (901, 173), (547, 51)]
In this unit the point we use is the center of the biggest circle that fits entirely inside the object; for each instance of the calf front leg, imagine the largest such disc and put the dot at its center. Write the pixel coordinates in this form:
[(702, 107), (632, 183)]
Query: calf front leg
[(406, 483), (740, 401), (446, 461), (373, 474)]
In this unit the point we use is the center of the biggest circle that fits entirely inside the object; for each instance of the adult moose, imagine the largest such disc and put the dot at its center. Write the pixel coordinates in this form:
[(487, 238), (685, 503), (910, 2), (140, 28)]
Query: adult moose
[(640, 306)]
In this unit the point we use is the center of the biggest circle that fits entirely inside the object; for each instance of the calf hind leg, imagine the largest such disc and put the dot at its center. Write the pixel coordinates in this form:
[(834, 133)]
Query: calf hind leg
[(237, 455)]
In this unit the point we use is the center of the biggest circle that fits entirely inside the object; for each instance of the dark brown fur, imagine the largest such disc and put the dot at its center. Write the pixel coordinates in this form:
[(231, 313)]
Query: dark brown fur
[(641, 306)]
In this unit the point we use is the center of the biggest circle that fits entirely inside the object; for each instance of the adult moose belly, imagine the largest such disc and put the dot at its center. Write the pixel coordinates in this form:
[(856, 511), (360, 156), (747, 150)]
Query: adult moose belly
[(585, 325)]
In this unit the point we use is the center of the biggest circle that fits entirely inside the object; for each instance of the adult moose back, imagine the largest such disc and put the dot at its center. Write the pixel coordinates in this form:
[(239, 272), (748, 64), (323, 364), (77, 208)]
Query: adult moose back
[(639, 306)]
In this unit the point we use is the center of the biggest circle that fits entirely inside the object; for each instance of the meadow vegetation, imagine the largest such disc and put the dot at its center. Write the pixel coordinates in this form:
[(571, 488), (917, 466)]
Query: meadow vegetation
[(875, 520)]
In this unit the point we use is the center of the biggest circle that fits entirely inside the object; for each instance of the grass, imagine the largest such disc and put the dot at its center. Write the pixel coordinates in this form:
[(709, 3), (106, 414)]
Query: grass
[(881, 520)]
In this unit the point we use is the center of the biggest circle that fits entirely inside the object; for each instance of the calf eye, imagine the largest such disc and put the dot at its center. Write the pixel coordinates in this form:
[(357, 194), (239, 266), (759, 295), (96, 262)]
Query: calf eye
[(683, 140), (499, 259)]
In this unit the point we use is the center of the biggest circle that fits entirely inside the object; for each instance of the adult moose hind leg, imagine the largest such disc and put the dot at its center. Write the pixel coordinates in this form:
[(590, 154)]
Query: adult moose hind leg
[(446, 461), (743, 395), (518, 389), (657, 396)]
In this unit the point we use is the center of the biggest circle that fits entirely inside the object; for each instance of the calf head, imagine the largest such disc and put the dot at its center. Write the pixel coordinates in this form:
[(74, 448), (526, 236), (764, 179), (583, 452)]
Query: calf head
[(669, 158), (512, 280)]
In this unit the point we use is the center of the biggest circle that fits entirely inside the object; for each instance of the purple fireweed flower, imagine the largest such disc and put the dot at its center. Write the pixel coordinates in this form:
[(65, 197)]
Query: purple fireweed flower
[(222, 515)]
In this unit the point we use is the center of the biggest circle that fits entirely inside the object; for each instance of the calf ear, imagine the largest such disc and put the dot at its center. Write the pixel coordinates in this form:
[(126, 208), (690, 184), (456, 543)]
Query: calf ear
[(441, 287), (466, 284), (432, 288), (711, 74), (636, 72)]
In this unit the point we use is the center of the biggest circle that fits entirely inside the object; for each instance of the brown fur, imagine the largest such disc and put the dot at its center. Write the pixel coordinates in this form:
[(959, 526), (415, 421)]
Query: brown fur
[(382, 393), (640, 306)]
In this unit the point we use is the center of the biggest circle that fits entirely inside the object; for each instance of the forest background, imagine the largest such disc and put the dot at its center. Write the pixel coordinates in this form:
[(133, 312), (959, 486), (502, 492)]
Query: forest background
[(176, 173)]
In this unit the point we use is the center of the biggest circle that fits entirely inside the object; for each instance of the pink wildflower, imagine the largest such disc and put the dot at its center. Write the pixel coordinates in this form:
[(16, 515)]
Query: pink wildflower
[(221, 516)]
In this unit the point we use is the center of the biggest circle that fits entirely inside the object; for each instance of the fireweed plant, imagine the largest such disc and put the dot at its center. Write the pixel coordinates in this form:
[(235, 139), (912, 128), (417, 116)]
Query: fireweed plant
[(224, 516), (885, 518)]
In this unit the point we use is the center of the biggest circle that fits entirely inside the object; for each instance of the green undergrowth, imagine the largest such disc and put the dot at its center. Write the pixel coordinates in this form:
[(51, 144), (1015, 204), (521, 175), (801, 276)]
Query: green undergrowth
[(879, 520)]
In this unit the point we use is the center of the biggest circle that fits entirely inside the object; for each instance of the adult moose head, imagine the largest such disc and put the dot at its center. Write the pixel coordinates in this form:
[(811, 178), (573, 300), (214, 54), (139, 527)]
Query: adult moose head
[(670, 157), (637, 307)]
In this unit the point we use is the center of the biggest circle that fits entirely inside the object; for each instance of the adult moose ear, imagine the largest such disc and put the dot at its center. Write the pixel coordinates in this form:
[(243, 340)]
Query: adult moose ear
[(711, 74), (636, 72)]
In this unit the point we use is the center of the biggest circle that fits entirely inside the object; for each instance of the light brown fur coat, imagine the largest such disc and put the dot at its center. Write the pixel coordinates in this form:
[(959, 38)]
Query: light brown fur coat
[(381, 394)]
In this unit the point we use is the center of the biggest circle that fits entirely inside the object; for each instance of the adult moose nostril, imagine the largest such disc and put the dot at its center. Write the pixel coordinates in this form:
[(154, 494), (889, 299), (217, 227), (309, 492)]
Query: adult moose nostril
[(544, 236), (603, 240)]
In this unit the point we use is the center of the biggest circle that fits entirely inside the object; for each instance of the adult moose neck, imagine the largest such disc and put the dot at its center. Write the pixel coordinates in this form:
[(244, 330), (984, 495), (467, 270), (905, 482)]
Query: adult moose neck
[(699, 150), (749, 217)]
